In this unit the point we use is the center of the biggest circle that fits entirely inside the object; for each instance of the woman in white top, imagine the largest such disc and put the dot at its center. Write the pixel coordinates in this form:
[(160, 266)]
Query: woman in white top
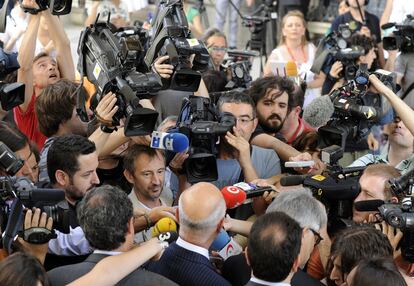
[(294, 47)]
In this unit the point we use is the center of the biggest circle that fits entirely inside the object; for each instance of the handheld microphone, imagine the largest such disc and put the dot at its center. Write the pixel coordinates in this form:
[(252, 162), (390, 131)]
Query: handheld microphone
[(175, 142), (233, 196), (169, 236), (292, 180), (291, 71), (252, 190), (319, 111), (368, 206), (225, 245), (165, 224)]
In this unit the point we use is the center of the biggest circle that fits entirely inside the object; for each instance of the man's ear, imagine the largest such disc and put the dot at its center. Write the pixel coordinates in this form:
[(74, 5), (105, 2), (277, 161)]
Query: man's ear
[(394, 200), (129, 176), (62, 178), (295, 265), (177, 215)]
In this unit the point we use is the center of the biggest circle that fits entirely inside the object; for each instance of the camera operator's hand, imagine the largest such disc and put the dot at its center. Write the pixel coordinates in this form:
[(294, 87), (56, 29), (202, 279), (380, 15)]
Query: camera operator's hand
[(176, 164), (394, 235), (164, 70), (34, 219), (336, 68), (29, 4), (106, 109), (154, 215), (372, 142), (240, 144), (365, 31)]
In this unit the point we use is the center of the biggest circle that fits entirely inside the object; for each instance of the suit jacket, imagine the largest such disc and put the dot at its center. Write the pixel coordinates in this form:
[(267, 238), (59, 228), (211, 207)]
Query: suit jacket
[(66, 274), (238, 272), (187, 268)]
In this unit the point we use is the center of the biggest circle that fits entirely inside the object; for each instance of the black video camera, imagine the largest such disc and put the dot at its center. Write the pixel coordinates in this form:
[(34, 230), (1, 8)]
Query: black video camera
[(355, 111), (171, 36), (403, 38), (57, 7), (17, 193), (238, 65), (11, 94), (110, 60), (203, 125)]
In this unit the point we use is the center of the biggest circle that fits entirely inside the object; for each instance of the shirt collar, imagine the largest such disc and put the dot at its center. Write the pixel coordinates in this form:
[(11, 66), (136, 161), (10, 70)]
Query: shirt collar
[(192, 247), (263, 282)]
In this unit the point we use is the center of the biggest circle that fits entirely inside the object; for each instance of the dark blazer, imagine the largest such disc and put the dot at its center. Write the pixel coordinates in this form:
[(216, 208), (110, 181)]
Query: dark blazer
[(237, 271), (186, 268), (66, 274), (250, 283)]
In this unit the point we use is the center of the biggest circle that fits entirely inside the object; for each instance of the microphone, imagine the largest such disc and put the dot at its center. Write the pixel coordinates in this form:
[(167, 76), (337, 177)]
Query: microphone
[(292, 180), (165, 224), (175, 142), (233, 196), (368, 206), (291, 71), (319, 111), (252, 190), (225, 245), (169, 236), (387, 25)]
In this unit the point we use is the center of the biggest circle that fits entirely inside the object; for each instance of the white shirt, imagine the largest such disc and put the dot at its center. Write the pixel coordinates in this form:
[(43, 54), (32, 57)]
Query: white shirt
[(260, 281), (192, 247), (111, 253)]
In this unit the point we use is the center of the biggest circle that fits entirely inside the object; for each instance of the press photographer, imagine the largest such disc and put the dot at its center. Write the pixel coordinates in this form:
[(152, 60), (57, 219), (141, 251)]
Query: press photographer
[(403, 41)]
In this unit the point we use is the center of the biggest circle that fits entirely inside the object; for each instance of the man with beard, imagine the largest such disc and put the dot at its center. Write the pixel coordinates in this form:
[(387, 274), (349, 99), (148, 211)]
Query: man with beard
[(278, 104), (71, 164), (145, 170)]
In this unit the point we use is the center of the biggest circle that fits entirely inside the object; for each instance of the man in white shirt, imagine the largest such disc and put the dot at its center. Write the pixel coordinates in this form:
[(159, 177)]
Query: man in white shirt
[(145, 170)]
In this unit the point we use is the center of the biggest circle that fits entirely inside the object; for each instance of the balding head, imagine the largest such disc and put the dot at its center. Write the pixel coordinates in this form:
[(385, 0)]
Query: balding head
[(201, 208)]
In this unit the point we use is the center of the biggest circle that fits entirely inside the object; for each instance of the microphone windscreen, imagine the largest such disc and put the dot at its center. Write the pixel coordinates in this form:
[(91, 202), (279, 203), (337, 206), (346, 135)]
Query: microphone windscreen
[(387, 26), (292, 180), (291, 69), (319, 111), (368, 206), (163, 225), (176, 142), (233, 196), (221, 241), (169, 236)]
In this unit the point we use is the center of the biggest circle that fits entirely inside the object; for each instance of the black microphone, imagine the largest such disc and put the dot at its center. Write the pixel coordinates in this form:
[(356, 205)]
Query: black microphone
[(293, 180), (168, 236), (387, 25), (368, 206)]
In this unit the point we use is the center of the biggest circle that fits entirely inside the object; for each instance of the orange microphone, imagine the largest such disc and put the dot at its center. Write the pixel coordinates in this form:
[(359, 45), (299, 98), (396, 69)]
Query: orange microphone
[(291, 71)]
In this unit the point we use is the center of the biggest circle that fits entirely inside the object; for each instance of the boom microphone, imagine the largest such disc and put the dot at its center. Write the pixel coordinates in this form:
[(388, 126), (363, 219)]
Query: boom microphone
[(175, 142), (319, 111), (368, 206)]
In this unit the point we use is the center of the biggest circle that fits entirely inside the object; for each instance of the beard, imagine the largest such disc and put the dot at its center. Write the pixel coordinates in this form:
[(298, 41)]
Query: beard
[(274, 128)]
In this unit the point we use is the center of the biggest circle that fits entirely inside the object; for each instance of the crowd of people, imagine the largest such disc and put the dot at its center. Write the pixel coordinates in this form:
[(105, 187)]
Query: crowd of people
[(123, 198)]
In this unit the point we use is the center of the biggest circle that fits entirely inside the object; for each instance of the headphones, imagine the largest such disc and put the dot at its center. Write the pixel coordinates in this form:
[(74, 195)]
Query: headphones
[(365, 4)]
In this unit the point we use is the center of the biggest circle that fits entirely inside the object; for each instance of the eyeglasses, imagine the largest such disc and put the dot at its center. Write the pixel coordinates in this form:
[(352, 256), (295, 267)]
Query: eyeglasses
[(217, 49), (244, 120), (318, 237)]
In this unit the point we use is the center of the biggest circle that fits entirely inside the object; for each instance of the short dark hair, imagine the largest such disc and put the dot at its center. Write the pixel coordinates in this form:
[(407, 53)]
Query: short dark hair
[(134, 151), (274, 245), (22, 269), (236, 97), (40, 55), (215, 81), (357, 243), (103, 214), (12, 137), (55, 105), (261, 86), (362, 41), (378, 272), (211, 33), (64, 152)]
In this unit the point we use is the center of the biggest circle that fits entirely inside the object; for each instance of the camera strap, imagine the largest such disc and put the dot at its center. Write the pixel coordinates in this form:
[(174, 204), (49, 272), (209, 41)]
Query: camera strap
[(80, 95), (3, 16), (37, 235), (407, 91), (14, 223)]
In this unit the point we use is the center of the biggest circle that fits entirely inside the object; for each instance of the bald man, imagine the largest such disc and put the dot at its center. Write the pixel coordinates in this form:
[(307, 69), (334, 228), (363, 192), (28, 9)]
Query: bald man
[(201, 210)]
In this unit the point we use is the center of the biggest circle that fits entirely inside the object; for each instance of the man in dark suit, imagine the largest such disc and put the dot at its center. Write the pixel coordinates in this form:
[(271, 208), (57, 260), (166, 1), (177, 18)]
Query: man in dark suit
[(201, 210), (273, 249), (106, 216)]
